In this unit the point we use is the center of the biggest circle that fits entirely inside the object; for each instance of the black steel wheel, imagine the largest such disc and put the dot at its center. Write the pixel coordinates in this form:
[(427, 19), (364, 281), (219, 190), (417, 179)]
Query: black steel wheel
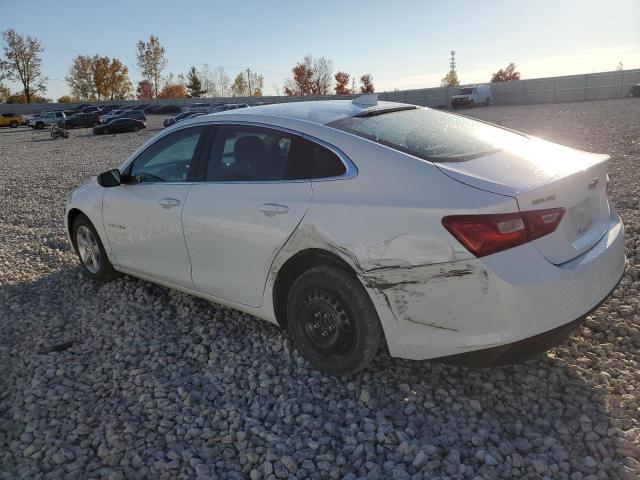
[(332, 320)]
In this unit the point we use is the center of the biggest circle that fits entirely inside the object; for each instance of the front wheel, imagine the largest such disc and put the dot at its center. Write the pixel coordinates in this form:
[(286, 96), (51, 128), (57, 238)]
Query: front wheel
[(90, 250), (332, 320), (13, 124)]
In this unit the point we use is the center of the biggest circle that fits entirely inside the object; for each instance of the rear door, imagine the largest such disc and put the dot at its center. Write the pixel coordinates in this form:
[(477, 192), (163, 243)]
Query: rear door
[(254, 192)]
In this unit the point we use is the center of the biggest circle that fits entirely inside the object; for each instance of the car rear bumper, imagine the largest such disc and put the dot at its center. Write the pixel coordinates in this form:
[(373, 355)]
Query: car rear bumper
[(494, 301)]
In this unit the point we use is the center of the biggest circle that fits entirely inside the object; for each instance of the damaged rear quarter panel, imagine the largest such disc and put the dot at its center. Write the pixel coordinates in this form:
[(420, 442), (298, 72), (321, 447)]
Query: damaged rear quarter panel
[(386, 224)]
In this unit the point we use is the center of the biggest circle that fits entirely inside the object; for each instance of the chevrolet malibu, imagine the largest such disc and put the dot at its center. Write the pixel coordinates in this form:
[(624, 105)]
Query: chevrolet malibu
[(362, 224)]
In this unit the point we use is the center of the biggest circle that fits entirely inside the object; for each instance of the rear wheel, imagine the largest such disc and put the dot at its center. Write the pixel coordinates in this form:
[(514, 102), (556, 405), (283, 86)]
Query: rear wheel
[(90, 250), (136, 128), (332, 320)]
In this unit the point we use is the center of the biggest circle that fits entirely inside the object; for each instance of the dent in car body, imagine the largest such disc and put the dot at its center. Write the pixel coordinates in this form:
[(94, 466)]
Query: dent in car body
[(403, 288)]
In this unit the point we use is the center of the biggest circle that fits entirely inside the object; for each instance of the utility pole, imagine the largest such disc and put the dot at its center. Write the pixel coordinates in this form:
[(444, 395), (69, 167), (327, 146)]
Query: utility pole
[(452, 62), (249, 80)]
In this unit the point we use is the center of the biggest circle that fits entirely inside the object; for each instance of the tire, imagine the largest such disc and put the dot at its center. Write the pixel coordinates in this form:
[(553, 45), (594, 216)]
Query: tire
[(332, 320), (91, 253), (13, 124), (136, 129), (39, 126)]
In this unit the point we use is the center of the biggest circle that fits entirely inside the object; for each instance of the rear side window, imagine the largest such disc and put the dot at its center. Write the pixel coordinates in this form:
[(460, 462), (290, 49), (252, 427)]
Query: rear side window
[(430, 134), (323, 163), (244, 153)]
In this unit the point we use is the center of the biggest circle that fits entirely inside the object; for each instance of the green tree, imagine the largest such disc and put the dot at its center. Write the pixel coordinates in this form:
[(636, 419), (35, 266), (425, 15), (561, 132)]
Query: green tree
[(240, 87), (194, 84), (23, 62), (507, 74), (152, 61)]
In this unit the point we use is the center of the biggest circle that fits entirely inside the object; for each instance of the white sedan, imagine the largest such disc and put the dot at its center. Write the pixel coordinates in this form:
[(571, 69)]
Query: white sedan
[(357, 224)]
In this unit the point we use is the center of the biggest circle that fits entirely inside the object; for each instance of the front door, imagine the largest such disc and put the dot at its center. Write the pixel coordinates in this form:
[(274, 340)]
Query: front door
[(142, 217)]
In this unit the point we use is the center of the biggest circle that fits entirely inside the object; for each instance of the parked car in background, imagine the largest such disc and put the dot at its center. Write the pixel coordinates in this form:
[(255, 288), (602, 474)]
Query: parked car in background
[(81, 106), (12, 120), (198, 107), (45, 119), (170, 109), (170, 121), (120, 125), (191, 115), (226, 106), (135, 114), (487, 243), (140, 107), (79, 120), (470, 96), (90, 108)]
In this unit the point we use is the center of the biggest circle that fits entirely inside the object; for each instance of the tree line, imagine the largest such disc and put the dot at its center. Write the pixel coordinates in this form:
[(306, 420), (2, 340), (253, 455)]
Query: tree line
[(100, 78)]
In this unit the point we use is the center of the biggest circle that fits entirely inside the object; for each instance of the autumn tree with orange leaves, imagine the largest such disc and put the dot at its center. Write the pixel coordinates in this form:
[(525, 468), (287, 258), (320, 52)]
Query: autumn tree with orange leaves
[(310, 77), (366, 83), (173, 90), (144, 90), (342, 83)]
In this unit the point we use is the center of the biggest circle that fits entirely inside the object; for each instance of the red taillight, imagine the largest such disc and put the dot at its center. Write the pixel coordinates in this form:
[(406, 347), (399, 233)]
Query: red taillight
[(486, 234)]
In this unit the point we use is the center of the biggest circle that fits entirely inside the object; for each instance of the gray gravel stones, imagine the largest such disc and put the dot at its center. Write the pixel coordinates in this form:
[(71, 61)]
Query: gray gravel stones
[(158, 384)]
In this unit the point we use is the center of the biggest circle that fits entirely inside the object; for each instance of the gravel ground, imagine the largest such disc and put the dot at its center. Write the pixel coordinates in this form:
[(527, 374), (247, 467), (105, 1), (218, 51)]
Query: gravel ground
[(158, 384)]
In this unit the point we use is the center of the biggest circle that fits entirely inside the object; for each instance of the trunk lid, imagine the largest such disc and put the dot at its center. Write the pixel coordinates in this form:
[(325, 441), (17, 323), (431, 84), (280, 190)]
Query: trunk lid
[(541, 175)]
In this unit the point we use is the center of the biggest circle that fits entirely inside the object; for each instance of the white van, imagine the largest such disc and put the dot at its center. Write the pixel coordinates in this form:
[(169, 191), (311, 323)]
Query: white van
[(473, 95)]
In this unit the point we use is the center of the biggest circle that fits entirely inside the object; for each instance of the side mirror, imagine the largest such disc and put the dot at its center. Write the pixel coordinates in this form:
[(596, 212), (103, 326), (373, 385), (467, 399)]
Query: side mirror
[(110, 178)]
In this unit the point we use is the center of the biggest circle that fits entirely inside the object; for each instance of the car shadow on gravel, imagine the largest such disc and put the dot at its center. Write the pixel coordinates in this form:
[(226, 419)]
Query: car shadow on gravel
[(150, 378)]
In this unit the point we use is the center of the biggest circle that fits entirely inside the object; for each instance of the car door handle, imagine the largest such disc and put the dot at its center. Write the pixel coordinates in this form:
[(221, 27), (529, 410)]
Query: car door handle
[(169, 202), (271, 209)]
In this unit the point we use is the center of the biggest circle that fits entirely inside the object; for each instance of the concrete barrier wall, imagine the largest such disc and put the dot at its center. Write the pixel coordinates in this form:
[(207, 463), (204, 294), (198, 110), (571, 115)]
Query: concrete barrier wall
[(589, 86)]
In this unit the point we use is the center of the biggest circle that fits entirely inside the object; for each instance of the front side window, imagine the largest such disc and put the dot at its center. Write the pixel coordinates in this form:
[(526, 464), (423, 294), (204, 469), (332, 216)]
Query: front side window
[(430, 134), (243, 153), (169, 159)]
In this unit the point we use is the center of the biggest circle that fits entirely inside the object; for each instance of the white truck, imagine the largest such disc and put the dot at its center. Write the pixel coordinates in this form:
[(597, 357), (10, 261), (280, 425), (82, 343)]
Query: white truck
[(45, 119), (471, 96)]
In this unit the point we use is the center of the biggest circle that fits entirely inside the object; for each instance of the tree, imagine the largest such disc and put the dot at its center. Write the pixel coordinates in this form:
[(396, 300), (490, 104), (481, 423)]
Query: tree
[(194, 85), (207, 77), (255, 84), (173, 90), (20, 97), (65, 99), (23, 62), (240, 87), (5, 93), (98, 78), (506, 75), (366, 83), (223, 81), (450, 80), (80, 78), (620, 67), (152, 61), (342, 83), (310, 77), (144, 90)]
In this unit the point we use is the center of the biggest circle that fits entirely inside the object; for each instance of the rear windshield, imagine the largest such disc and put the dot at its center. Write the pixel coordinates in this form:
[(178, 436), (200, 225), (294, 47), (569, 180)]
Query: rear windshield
[(429, 134)]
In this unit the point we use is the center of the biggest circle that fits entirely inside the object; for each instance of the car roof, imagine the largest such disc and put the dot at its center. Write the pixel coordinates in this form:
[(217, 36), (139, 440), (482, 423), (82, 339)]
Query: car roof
[(320, 111)]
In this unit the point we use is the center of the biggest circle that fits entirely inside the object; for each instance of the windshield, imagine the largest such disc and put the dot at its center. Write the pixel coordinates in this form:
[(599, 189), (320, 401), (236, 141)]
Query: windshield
[(466, 91), (430, 134)]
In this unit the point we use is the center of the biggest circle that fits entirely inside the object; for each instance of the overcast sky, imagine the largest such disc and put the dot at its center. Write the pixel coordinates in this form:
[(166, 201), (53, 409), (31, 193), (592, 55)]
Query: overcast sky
[(403, 44)]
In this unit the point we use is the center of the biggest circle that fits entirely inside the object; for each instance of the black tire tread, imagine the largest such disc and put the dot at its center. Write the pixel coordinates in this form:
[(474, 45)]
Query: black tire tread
[(352, 293)]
